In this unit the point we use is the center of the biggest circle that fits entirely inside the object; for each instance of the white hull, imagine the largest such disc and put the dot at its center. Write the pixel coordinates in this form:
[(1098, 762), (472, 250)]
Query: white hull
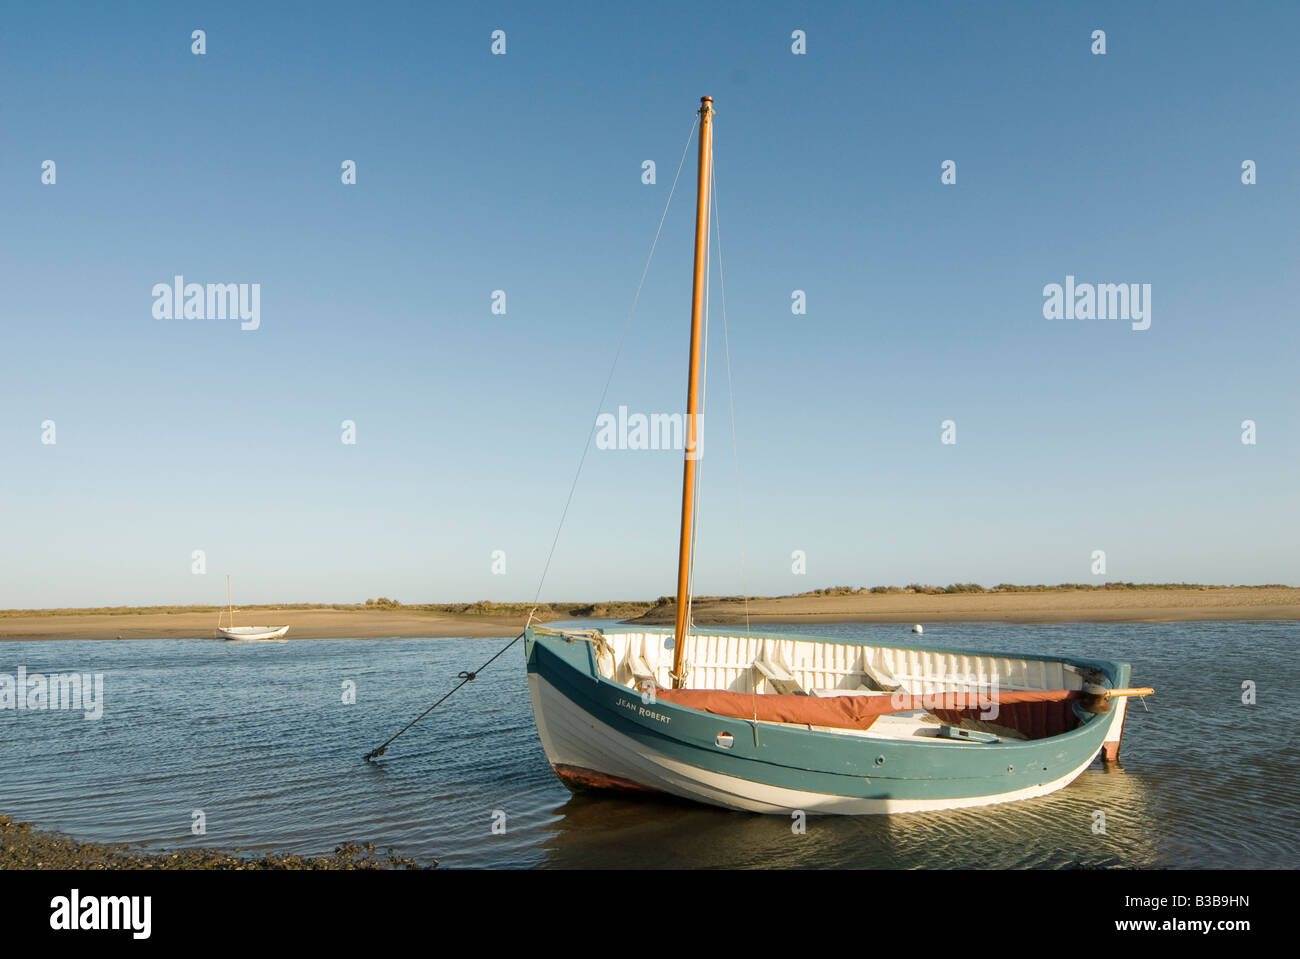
[(253, 632), (572, 737)]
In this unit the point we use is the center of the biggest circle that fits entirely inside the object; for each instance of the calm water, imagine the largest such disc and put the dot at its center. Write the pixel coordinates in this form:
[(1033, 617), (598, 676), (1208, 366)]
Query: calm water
[(257, 736)]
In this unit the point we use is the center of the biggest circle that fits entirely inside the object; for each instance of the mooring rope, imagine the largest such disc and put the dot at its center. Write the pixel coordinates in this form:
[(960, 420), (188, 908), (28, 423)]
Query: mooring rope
[(466, 677)]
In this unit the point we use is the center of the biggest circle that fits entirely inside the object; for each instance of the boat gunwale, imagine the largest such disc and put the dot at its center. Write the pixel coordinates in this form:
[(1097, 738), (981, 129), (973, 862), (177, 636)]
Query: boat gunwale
[(1108, 666), (1091, 724)]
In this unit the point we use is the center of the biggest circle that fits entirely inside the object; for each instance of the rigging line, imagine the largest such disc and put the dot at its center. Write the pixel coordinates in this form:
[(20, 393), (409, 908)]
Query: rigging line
[(735, 455), (627, 326), (466, 677), (731, 398)]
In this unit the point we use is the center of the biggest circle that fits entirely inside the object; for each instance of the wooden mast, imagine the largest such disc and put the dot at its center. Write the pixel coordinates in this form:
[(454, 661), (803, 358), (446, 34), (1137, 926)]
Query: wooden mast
[(693, 388), (230, 608)]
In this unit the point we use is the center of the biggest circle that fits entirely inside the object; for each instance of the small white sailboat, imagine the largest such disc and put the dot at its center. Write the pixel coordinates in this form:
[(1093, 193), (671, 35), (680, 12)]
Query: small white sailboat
[(252, 632), (246, 632)]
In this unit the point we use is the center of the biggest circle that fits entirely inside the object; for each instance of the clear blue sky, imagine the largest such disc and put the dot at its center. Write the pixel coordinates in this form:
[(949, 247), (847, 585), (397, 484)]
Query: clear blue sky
[(523, 173)]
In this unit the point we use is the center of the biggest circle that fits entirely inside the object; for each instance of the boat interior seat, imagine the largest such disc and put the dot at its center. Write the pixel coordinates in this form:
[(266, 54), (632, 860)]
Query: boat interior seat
[(878, 678), (779, 678), (638, 665)]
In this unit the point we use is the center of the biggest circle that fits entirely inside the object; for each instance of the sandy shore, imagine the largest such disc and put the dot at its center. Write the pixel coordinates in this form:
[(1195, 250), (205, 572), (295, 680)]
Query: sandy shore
[(1143, 605), (303, 624), (1152, 605)]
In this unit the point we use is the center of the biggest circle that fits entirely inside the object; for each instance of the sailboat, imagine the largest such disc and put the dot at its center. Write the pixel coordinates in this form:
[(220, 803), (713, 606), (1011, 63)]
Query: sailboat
[(246, 632), (777, 723)]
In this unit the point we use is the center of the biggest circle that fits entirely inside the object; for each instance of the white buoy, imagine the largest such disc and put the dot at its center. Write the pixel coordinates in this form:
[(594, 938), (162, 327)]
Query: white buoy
[(917, 628)]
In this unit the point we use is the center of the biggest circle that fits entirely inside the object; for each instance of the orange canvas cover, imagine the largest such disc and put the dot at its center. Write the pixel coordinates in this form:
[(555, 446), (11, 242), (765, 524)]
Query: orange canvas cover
[(859, 712)]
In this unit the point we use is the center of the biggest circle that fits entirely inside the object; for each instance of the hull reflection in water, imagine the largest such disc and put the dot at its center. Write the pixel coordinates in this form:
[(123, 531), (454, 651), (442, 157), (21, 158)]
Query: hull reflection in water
[(1060, 831)]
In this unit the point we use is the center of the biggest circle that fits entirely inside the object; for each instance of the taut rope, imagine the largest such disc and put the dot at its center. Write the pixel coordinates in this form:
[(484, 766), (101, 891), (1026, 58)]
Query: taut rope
[(464, 678)]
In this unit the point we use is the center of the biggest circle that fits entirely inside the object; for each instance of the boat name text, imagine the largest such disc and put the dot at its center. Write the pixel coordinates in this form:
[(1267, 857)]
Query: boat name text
[(642, 711)]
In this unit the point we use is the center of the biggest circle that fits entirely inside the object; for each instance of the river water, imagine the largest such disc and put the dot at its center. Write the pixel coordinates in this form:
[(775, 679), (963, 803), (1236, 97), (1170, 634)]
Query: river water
[(258, 739)]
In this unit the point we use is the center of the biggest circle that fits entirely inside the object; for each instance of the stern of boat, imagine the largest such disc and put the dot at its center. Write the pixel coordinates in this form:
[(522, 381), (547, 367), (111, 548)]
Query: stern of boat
[(1115, 735)]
